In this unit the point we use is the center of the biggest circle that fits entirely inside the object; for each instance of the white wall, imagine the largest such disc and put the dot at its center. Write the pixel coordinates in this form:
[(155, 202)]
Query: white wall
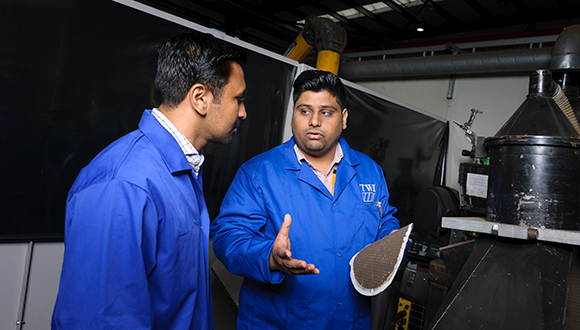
[(13, 260), (426, 94), (498, 97), (42, 285)]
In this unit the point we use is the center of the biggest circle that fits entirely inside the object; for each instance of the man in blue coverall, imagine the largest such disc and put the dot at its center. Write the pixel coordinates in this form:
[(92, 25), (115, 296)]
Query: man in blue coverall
[(137, 226), (330, 200)]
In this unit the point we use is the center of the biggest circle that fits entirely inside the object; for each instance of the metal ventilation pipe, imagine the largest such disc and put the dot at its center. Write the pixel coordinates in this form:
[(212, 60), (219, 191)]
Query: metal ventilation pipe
[(516, 60), (566, 54), (520, 60)]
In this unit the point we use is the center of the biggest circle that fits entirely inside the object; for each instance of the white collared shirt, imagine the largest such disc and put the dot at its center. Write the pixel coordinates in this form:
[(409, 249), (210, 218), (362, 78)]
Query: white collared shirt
[(194, 158), (325, 178)]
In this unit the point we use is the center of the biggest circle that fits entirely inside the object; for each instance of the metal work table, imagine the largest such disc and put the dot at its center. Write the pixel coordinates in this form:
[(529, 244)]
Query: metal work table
[(481, 225)]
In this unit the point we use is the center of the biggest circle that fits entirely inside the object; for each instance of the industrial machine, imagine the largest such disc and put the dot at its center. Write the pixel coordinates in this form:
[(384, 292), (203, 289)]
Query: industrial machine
[(523, 270)]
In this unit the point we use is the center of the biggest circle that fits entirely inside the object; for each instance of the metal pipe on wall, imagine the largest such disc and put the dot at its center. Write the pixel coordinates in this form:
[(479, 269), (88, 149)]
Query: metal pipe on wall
[(565, 55), (517, 60)]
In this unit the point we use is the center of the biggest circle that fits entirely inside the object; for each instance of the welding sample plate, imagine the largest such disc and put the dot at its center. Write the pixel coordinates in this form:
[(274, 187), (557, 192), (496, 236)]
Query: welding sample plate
[(373, 268)]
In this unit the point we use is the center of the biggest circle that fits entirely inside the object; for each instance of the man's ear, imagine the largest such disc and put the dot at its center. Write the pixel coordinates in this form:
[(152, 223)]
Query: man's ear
[(199, 98), (344, 118)]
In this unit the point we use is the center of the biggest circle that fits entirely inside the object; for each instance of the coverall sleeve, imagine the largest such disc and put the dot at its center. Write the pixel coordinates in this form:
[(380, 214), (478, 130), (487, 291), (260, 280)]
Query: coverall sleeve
[(240, 240), (110, 248), (388, 221)]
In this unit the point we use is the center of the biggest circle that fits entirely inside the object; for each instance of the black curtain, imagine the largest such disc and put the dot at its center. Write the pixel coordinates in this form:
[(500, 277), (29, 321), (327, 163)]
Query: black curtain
[(409, 146), (75, 76)]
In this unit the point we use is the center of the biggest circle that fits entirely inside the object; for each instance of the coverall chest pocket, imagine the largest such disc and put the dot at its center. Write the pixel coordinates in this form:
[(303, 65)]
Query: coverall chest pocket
[(367, 219)]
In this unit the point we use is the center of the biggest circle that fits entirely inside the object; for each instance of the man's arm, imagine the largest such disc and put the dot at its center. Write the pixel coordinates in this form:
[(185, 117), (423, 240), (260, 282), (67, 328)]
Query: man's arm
[(104, 276), (281, 257), (247, 240), (388, 221)]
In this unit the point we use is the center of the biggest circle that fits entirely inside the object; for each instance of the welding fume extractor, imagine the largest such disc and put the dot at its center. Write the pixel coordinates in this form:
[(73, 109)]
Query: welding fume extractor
[(523, 270), (329, 39)]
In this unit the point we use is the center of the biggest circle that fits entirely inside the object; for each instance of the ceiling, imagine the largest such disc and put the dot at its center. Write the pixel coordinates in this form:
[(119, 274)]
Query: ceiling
[(273, 24)]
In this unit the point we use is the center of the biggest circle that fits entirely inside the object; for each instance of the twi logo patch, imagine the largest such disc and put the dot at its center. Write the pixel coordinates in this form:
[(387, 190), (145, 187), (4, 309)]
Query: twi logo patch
[(368, 192)]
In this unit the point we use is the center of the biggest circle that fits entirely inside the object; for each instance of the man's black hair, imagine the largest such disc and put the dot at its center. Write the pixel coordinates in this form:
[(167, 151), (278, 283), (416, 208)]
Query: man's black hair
[(317, 81), (191, 58)]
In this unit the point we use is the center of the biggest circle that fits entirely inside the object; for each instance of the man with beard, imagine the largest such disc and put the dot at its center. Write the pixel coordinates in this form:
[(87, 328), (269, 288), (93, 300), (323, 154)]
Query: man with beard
[(329, 200)]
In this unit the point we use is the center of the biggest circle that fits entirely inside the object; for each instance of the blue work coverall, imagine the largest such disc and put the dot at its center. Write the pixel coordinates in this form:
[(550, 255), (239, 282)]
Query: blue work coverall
[(136, 239), (327, 230)]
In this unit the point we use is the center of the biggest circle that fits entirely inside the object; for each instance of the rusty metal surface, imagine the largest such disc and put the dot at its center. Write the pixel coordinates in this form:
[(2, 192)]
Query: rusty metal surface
[(534, 182), (481, 225), (538, 140)]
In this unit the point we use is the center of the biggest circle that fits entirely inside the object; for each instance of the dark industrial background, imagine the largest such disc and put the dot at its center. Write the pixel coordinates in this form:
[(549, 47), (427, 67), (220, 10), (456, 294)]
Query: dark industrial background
[(77, 75), (273, 25)]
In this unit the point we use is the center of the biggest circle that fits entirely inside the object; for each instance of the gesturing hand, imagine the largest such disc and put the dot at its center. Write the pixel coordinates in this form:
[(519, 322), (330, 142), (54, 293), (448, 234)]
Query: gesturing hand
[(281, 257)]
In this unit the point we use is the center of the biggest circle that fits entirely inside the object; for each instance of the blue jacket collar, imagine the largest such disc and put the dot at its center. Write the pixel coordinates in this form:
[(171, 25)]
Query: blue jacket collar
[(164, 143)]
